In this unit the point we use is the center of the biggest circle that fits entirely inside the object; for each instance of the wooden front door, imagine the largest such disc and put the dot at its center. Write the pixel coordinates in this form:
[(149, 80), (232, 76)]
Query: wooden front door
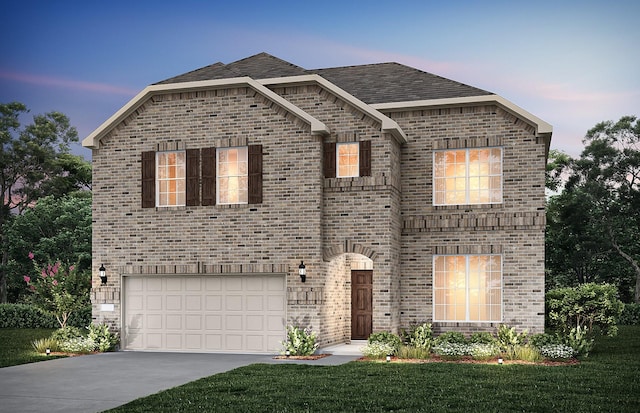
[(361, 304)]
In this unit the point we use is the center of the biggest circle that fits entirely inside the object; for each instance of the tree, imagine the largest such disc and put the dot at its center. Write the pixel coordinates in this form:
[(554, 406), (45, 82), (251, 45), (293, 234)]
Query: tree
[(53, 229), (595, 221), (34, 162)]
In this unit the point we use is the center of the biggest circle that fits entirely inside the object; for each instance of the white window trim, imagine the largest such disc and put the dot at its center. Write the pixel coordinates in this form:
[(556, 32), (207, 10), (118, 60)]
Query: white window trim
[(218, 151), (357, 174), (158, 205), (467, 177), (466, 315)]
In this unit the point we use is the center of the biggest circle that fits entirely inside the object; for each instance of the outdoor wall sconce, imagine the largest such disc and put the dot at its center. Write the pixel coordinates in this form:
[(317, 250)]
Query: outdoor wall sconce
[(302, 271), (103, 274)]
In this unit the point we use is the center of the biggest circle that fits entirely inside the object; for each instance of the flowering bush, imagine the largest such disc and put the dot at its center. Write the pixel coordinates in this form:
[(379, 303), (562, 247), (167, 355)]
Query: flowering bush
[(557, 351), (300, 342), (483, 351), (386, 337), (378, 349), (451, 350), (78, 345), (58, 290)]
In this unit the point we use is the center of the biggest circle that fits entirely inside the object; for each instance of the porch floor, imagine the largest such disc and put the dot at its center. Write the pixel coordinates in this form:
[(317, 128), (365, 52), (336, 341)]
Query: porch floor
[(354, 348)]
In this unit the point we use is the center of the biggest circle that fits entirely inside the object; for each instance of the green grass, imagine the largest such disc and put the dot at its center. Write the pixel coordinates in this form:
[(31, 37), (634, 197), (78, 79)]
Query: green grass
[(608, 381), (15, 346)]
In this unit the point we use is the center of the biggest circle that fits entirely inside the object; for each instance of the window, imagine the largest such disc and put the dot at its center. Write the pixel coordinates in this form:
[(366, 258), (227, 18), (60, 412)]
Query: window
[(232, 182), (347, 159), (467, 288), (170, 178), (467, 176)]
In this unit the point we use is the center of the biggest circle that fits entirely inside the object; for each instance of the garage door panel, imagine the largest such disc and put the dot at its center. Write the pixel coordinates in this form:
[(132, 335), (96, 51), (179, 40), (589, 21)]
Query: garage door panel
[(254, 323), (153, 322), (174, 322), (254, 303), (173, 303), (204, 313), (193, 322), (233, 303), (193, 302)]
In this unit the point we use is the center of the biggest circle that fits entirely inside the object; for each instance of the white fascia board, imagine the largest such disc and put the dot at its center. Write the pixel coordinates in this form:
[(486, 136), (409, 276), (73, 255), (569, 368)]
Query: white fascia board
[(387, 124), (542, 128), (93, 140)]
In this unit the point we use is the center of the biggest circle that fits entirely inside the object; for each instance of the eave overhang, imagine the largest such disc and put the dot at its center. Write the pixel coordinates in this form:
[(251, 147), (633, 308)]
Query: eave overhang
[(93, 140)]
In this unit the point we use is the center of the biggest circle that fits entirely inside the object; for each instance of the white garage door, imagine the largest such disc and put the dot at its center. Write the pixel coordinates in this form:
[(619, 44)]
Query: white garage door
[(243, 314)]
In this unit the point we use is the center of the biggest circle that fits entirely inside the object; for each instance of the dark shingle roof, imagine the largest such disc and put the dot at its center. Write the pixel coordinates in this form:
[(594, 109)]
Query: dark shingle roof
[(393, 82), (374, 83)]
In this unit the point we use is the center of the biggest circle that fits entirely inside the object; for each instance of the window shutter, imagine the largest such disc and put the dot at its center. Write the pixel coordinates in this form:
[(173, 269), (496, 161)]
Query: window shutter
[(193, 177), (365, 158), (148, 179), (208, 176), (255, 174), (330, 160)]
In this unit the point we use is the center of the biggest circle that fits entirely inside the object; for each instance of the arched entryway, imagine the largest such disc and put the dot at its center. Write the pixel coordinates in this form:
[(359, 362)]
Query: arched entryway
[(349, 309)]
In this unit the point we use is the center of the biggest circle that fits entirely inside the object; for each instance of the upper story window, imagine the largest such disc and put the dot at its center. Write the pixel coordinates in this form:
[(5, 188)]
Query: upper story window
[(467, 176), (467, 288), (171, 182), (233, 179), (347, 159)]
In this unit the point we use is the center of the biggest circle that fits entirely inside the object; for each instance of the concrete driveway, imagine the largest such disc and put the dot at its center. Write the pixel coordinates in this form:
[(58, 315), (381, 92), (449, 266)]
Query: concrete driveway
[(99, 382)]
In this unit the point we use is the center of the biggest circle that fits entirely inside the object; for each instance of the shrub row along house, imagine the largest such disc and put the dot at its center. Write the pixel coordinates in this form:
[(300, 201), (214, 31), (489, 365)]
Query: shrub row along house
[(405, 197)]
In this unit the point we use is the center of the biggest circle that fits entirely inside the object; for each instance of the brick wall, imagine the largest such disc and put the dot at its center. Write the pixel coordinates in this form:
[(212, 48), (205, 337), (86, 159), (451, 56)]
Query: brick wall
[(514, 228)]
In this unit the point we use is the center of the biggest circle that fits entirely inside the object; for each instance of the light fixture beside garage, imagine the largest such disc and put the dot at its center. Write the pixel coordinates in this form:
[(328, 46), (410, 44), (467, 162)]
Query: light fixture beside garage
[(302, 271), (103, 274)]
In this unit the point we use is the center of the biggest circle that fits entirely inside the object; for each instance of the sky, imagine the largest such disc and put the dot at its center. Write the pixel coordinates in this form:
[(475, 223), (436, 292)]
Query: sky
[(571, 63)]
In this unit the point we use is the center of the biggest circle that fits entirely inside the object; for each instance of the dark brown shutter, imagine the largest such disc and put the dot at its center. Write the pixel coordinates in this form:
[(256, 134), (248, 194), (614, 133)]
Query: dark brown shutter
[(255, 174), (193, 177), (330, 160), (365, 158), (208, 176), (148, 179)]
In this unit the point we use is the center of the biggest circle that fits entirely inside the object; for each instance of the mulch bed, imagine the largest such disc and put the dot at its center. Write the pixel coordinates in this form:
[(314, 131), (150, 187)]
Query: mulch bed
[(469, 360)]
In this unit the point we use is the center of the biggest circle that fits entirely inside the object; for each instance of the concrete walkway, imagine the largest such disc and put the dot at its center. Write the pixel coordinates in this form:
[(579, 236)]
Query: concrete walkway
[(99, 382)]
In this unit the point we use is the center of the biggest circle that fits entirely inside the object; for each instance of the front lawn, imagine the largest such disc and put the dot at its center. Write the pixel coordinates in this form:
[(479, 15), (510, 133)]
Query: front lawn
[(15, 345), (607, 381)]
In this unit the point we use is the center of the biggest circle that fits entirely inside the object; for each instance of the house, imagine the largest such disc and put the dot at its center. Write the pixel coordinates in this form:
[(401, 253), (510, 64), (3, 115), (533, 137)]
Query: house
[(404, 197)]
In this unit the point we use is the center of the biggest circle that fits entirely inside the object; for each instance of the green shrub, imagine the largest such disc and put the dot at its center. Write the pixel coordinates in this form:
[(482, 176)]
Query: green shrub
[(300, 342), (580, 341), (509, 337), (451, 337), (483, 337), (378, 349), (410, 352), (41, 345), (25, 316), (80, 318), (557, 351), (483, 351), (593, 306), (67, 333), (420, 336), (388, 338), (544, 339), (102, 338), (630, 315)]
